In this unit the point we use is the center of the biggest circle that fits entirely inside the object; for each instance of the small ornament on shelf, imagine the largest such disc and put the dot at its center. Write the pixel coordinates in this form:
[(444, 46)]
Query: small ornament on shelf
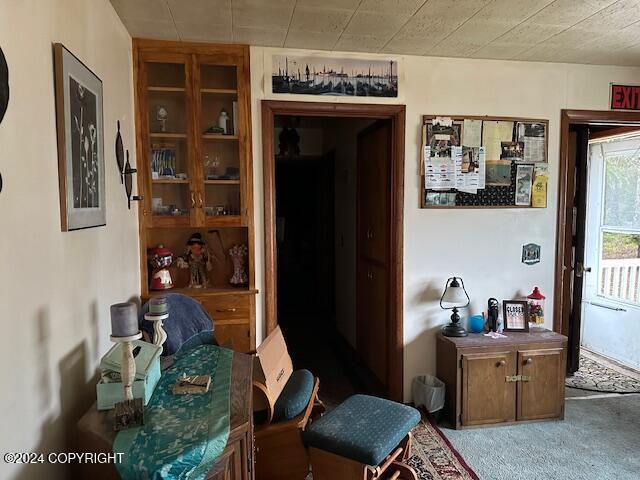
[(222, 121), (162, 115), (198, 260), (238, 254), (160, 259), (536, 307)]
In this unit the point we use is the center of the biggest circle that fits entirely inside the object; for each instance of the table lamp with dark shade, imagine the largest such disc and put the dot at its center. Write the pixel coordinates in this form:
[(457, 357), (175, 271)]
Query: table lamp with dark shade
[(454, 297)]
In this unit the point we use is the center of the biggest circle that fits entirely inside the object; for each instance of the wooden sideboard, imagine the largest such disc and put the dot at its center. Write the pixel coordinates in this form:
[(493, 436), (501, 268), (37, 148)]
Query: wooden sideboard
[(96, 434), (507, 380)]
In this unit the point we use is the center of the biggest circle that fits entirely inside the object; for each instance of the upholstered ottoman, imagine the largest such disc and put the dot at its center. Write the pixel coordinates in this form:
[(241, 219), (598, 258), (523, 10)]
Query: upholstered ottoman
[(363, 438)]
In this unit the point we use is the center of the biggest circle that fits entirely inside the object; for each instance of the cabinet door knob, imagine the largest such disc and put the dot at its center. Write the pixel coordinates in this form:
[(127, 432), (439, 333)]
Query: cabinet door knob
[(369, 234), (528, 361), (370, 275), (502, 363), (193, 199), (200, 201)]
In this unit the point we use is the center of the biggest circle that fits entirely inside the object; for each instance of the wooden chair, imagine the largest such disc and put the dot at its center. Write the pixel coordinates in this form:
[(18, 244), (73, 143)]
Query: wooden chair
[(280, 453), (364, 438)]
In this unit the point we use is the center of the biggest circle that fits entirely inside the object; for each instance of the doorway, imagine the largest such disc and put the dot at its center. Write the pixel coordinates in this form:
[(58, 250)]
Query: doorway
[(596, 272), (306, 245)]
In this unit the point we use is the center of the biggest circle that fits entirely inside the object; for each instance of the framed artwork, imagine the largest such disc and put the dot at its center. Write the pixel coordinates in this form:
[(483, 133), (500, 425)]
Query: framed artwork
[(80, 129), (516, 315), (347, 76)]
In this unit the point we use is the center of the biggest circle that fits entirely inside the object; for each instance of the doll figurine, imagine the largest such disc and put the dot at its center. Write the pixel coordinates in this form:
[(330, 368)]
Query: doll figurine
[(198, 260)]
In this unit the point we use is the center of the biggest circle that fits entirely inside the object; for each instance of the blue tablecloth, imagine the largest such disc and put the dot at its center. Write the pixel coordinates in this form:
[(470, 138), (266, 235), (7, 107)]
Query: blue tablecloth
[(182, 435)]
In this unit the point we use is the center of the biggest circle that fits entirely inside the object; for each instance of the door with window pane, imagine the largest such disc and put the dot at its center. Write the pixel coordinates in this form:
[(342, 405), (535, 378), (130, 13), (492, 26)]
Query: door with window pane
[(611, 301)]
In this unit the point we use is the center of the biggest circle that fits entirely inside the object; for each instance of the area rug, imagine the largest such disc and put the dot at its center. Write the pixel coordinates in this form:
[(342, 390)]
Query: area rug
[(597, 377), (434, 458)]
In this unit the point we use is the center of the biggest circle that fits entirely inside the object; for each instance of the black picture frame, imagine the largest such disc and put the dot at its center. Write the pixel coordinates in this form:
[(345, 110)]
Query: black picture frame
[(507, 312)]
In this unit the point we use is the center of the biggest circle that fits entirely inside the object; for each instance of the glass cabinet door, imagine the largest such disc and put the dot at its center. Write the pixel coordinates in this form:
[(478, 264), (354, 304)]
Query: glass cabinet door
[(219, 142), (172, 196)]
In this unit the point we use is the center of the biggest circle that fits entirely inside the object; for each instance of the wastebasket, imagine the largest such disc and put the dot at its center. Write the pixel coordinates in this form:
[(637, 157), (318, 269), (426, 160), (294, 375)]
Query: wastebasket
[(428, 392)]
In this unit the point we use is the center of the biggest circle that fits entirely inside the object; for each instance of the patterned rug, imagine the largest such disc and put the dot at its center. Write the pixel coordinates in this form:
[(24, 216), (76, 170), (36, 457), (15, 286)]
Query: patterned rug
[(597, 377), (434, 458)]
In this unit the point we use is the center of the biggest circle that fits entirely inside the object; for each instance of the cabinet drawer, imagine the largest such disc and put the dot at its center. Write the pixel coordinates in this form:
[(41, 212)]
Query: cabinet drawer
[(223, 307)]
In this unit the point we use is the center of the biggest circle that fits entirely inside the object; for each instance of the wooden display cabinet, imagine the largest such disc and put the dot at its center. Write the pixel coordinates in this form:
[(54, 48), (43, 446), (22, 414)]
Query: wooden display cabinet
[(193, 177), (492, 381)]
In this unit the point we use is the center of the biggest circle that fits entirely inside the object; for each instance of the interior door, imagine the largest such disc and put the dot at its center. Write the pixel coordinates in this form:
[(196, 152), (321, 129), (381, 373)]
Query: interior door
[(611, 300), (581, 136), (372, 237), (487, 396), (541, 388)]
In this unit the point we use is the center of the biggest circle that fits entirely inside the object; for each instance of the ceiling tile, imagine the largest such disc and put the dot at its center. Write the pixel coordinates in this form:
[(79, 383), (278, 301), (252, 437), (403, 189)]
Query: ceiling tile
[(259, 36), (263, 3), (378, 24), (311, 40), (151, 29), (262, 16), (433, 22), (491, 22), (339, 4), (204, 31), (143, 10), (391, 6), (217, 12), (359, 43), (323, 20)]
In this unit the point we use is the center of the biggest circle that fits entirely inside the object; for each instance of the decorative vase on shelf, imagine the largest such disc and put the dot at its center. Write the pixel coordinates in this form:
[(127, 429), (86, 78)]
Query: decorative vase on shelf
[(238, 254)]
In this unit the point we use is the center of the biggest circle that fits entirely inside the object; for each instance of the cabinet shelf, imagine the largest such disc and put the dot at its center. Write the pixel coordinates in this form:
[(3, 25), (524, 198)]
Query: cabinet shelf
[(167, 135), (166, 89), (219, 91), (217, 136), (222, 182), (167, 181)]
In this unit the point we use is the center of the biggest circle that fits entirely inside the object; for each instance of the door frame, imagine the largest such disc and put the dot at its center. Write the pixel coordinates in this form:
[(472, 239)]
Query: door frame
[(396, 114), (566, 193)]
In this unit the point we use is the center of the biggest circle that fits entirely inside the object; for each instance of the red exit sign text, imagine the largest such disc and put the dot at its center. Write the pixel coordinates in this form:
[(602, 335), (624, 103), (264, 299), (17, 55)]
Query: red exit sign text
[(625, 97)]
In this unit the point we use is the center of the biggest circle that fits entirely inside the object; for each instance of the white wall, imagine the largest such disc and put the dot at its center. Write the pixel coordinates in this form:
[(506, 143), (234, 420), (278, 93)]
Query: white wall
[(482, 246), (56, 288)]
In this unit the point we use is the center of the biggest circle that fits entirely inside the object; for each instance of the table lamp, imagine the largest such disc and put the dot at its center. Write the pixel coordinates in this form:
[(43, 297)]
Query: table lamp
[(124, 330), (454, 297)]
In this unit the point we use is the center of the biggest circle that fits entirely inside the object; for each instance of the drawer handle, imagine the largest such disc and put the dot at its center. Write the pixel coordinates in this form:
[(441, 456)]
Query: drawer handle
[(502, 363), (528, 361), (222, 310)]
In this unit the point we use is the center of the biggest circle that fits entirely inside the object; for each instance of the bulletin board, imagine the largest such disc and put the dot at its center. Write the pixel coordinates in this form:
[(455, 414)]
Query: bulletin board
[(483, 162)]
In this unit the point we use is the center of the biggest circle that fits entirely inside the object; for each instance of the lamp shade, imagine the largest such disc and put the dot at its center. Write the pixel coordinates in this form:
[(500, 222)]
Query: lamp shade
[(454, 294)]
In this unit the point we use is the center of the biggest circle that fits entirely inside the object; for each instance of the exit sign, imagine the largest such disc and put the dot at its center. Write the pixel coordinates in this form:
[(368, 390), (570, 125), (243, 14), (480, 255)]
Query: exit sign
[(625, 97)]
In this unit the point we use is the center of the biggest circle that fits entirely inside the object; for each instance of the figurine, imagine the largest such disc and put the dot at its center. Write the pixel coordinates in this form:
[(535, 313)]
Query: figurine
[(160, 259), (238, 253), (198, 260), (222, 121), (161, 115)]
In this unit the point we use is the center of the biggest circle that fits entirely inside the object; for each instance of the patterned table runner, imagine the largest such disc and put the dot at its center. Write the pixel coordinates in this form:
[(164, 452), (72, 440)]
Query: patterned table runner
[(182, 435)]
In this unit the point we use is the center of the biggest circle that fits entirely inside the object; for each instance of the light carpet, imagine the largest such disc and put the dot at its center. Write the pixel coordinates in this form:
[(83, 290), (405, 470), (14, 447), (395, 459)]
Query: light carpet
[(599, 439)]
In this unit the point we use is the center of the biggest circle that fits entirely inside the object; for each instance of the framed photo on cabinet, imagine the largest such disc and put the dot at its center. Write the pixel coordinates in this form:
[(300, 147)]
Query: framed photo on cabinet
[(78, 93), (516, 315)]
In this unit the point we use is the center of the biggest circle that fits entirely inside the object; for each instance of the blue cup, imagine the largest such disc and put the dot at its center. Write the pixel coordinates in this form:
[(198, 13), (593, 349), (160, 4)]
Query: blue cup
[(476, 323)]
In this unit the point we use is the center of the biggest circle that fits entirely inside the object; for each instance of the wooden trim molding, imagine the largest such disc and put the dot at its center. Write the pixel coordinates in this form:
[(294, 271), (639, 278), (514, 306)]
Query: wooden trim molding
[(566, 194), (394, 113)]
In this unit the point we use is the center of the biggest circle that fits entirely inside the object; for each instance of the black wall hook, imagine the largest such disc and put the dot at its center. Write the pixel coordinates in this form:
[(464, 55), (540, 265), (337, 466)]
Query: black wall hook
[(120, 154)]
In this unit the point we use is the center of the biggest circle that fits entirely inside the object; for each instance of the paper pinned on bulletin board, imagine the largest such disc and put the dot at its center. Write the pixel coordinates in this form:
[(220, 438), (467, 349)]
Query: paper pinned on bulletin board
[(472, 133), (493, 134)]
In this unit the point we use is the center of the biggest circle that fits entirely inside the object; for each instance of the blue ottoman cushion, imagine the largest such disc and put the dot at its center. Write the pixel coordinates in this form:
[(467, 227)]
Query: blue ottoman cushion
[(294, 396), (362, 428)]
